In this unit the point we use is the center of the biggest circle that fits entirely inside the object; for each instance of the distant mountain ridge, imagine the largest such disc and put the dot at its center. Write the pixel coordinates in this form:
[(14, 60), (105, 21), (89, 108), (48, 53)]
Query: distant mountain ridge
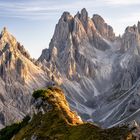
[(98, 71)]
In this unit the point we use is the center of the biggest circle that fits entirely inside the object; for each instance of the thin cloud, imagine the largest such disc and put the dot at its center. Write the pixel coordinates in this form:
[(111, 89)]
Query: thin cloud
[(131, 18), (46, 13), (122, 2), (38, 8), (50, 10)]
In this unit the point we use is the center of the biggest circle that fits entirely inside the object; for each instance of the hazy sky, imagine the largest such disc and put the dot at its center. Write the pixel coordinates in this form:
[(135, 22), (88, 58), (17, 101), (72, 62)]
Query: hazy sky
[(32, 22)]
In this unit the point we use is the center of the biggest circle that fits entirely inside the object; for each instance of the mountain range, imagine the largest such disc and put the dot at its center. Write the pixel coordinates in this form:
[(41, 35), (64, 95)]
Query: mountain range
[(97, 70)]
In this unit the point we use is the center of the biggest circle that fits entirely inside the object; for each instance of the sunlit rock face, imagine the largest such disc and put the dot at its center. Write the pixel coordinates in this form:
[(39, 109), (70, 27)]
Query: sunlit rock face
[(19, 76), (98, 71), (103, 28)]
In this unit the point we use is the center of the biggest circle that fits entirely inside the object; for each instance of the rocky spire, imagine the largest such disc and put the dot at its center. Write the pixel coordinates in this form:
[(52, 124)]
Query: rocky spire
[(6, 34), (4, 30), (84, 17), (138, 25), (6, 37), (131, 38), (65, 16), (73, 33), (103, 28), (8, 41)]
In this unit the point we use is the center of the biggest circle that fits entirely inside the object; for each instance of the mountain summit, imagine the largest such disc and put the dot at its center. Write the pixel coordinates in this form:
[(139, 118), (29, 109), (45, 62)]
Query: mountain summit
[(99, 71), (19, 76)]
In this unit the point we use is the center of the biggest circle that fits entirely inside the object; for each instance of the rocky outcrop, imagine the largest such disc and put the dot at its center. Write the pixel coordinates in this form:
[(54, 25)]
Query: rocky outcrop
[(56, 121)]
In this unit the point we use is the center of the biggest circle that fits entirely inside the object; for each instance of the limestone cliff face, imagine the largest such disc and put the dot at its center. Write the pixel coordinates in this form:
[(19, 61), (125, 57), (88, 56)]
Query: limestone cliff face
[(74, 39), (96, 69), (131, 37), (19, 76), (103, 28)]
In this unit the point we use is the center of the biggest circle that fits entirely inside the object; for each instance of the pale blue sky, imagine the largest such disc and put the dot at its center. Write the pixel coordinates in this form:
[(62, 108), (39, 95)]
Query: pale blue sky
[(33, 22)]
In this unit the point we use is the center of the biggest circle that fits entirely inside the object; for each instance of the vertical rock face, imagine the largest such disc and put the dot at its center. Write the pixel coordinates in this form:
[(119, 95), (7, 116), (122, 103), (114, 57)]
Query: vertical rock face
[(98, 71), (73, 37), (130, 38), (19, 76), (83, 17), (103, 28)]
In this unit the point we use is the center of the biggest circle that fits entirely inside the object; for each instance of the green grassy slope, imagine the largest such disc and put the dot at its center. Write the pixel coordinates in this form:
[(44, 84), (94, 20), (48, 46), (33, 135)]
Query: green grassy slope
[(60, 123)]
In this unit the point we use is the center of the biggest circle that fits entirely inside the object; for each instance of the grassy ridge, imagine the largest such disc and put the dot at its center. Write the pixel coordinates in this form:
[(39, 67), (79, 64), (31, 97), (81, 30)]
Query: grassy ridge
[(60, 123), (8, 132)]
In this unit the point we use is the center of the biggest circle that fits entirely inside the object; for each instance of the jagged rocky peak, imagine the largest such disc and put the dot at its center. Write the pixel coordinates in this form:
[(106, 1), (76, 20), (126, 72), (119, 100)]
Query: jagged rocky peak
[(131, 38), (138, 25), (14, 59), (74, 34), (19, 76), (132, 29), (103, 28), (62, 30), (66, 17), (84, 17), (85, 20), (7, 38), (82, 26), (8, 42), (8, 46), (84, 14), (4, 31)]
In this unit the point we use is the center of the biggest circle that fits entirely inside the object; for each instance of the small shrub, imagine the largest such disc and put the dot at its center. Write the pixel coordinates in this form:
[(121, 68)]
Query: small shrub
[(39, 93), (9, 131)]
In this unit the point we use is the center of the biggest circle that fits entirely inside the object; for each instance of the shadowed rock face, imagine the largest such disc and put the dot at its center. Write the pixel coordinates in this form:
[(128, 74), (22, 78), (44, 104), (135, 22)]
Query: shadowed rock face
[(98, 71), (19, 76)]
